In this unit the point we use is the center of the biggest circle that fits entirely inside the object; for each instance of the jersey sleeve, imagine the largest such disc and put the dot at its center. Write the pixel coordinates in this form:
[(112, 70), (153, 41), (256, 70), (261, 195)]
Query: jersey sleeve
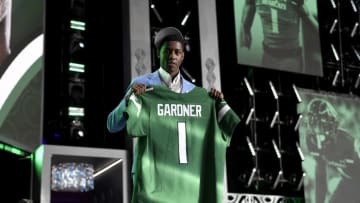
[(137, 124), (227, 119)]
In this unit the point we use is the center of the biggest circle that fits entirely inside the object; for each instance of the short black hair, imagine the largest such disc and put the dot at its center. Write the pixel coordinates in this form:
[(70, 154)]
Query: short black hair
[(168, 34)]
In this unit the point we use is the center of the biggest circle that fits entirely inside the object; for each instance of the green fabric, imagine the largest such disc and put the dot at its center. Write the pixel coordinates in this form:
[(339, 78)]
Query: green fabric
[(160, 177), (281, 23)]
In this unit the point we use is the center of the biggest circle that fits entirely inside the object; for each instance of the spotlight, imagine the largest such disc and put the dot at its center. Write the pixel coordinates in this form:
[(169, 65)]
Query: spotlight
[(186, 17), (192, 79), (333, 26), (76, 43), (77, 25), (77, 130), (353, 6), (248, 87), (152, 6), (336, 56)]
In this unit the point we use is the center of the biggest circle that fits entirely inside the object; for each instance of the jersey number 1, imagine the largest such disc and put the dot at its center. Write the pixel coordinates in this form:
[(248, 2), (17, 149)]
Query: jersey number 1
[(274, 20), (182, 142)]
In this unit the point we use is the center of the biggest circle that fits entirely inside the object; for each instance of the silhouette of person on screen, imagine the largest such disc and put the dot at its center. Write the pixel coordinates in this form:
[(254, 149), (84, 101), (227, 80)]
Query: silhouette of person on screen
[(337, 173), (5, 25), (280, 20)]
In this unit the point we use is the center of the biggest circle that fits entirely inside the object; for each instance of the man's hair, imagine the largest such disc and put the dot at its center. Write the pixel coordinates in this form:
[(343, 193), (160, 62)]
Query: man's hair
[(168, 34)]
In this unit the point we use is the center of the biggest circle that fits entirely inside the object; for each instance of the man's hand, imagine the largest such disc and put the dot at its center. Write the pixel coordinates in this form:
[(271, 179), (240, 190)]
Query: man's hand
[(138, 88), (216, 94)]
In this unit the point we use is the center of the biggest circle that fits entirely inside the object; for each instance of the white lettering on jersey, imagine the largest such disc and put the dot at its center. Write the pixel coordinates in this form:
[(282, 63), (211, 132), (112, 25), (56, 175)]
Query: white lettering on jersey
[(180, 110), (274, 3)]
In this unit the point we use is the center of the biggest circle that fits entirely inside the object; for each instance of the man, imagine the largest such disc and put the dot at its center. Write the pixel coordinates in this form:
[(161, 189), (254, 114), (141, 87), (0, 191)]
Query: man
[(281, 29), (170, 46), (336, 153)]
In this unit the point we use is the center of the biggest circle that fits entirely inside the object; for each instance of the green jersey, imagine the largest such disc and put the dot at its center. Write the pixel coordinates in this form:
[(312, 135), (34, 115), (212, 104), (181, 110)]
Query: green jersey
[(281, 22), (181, 146)]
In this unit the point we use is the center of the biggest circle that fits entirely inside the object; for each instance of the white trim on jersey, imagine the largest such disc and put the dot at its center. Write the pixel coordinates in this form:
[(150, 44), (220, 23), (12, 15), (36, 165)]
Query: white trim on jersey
[(222, 112), (136, 103)]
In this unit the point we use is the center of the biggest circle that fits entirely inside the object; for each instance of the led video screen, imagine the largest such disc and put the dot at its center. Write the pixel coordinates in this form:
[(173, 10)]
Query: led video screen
[(278, 34), (68, 174), (329, 138), (21, 54)]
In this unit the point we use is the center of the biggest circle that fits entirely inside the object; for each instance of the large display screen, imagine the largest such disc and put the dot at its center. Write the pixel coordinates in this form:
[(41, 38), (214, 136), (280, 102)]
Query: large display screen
[(21, 54), (330, 142), (278, 34)]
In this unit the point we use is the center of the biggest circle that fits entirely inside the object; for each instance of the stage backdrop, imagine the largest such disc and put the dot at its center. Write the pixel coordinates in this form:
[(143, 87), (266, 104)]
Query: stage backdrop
[(282, 35), (21, 76), (329, 139)]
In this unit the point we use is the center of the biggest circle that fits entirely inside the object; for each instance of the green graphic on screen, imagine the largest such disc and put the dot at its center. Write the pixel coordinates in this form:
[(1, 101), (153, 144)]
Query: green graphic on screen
[(278, 34), (330, 141)]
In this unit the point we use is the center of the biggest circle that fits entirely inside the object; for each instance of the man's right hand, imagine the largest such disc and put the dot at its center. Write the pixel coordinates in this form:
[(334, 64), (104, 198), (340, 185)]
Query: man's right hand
[(138, 88)]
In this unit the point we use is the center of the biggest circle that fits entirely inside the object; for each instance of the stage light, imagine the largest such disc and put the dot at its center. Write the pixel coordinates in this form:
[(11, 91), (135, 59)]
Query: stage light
[(300, 151), (103, 170), (273, 90), (76, 67), (301, 182), (76, 111), (274, 119), (298, 122), (354, 30), (187, 45), (152, 6), (76, 43), (251, 147), (296, 93), (77, 25), (279, 179), (356, 53), (336, 77), (353, 6), (357, 82), (77, 130), (248, 86), (333, 26), (186, 17), (333, 4), (335, 53), (250, 115), (252, 177), (192, 79), (11, 149)]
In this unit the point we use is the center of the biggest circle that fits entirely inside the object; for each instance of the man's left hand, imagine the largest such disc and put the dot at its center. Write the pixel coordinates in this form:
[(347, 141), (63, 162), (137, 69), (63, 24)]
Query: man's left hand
[(216, 94)]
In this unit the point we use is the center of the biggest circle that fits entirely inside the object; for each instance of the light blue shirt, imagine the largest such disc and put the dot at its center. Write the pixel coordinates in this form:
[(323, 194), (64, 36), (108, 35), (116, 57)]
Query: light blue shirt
[(116, 120)]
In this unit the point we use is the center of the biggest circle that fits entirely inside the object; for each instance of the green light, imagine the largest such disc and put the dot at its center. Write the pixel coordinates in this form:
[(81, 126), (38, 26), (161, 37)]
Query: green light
[(76, 111), (76, 67), (12, 150), (39, 153), (77, 25)]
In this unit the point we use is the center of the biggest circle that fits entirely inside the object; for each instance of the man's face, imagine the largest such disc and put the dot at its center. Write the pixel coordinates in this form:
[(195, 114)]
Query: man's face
[(171, 57)]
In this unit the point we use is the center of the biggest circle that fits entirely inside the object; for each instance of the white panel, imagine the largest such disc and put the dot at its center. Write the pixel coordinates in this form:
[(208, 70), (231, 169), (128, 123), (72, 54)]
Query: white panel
[(210, 67), (140, 37)]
